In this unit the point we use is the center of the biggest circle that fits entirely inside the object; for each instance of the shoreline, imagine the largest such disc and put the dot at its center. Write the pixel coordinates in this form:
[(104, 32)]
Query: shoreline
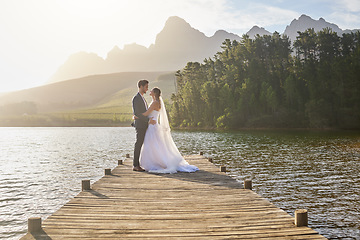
[(178, 128)]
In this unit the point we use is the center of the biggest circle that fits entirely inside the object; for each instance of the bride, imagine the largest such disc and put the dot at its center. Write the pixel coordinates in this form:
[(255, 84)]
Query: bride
[(159, 153)]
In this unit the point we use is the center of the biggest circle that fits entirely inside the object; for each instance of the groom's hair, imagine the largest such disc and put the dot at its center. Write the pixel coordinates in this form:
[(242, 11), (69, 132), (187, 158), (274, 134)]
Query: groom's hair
[(142, 82)]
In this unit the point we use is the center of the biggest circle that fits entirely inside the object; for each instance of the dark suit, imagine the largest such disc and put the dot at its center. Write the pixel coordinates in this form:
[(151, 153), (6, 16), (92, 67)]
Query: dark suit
[(140, 124)]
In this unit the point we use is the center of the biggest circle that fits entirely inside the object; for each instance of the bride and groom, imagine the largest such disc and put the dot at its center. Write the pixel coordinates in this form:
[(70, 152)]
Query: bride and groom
[(155, 150)]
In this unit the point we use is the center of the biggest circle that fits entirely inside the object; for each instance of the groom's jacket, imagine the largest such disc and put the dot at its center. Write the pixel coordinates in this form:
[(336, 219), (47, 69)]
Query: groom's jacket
[(139, 107)]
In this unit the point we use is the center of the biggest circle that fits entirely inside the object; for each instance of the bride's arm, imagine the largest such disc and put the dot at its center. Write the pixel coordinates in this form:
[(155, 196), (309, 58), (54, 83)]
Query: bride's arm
[(150, 109)]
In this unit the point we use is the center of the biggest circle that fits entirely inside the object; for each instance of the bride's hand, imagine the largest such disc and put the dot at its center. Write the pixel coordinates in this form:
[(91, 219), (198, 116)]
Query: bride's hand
[(152, 121)]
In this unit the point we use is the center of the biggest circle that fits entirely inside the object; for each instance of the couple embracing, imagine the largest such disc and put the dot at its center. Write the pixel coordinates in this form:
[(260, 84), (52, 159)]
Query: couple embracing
[(155, 150)]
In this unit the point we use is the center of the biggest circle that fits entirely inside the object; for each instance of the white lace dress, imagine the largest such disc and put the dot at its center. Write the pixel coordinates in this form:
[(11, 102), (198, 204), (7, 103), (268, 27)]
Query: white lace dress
[(159, 153)]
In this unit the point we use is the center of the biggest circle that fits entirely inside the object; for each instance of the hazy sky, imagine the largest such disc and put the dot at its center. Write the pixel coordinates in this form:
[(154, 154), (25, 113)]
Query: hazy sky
[(37, 36)]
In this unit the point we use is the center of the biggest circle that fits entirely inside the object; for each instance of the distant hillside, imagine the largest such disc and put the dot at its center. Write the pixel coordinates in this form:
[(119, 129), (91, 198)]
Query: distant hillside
[(122, 99), (78, 93), (177, 44), (79, 65), (305, 22)]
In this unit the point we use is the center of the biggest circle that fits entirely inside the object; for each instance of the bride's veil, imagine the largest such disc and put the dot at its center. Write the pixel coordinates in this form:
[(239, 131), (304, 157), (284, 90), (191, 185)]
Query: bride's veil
[(166, 135), (164, 121)]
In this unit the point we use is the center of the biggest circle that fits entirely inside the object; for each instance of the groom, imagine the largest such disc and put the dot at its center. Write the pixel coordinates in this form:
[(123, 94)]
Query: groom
[(141, 122)]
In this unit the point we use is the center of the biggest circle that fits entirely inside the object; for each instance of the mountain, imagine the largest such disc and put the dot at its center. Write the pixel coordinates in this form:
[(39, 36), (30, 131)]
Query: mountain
[(300, 25), (177, 44), (305, 22), (254, 31), (79, 65)]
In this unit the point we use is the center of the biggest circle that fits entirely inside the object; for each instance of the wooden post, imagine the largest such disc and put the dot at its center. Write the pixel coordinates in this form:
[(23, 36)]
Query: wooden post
[(301, 217), (248, 184), (108, 171), (34, 224), (127, 155), (210, 159), (120, 162), (222, 169), (201, 153), (85, 185)]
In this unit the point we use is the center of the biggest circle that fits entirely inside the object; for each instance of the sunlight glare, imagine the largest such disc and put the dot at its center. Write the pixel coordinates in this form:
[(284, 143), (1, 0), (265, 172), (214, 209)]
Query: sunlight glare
[(89, 9)]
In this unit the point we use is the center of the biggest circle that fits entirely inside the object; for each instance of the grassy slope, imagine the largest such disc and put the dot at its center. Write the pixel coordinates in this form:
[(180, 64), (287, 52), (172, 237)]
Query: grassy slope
[(76, 93), (107, 100), (118, 105), (120, 102)]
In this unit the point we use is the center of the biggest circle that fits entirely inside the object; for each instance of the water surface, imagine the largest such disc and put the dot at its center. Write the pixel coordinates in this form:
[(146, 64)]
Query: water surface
[(41, 169)]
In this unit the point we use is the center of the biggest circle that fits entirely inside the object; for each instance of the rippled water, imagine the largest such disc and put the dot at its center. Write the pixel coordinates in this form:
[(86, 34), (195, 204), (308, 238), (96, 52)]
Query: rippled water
[(317, 171), (42, 168)]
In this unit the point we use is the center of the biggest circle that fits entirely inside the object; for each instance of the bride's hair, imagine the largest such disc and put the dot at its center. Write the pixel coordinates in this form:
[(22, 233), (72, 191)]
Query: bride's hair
[(157, 93)]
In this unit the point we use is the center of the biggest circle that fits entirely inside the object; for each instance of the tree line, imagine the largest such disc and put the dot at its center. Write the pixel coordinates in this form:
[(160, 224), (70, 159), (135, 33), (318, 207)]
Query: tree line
[(270, 82)]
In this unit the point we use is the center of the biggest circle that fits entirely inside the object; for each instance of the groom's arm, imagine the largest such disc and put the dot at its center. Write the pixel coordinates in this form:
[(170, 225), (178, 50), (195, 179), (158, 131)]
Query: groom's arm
[(137, 105)]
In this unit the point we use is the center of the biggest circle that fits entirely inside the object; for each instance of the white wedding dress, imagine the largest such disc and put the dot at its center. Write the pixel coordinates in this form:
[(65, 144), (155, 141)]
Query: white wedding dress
[(159, 153)]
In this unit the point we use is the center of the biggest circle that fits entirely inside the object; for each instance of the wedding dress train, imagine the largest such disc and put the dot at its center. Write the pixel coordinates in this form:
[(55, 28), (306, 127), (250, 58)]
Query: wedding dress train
[(159, 153)]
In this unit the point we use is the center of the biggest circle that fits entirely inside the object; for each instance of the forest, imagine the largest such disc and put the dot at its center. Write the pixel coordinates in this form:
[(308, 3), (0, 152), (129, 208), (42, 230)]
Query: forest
[(268, 82)]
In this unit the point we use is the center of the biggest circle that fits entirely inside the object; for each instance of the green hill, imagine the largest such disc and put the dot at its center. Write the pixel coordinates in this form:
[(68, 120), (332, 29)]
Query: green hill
[(99, 100), (122, 98), (118, 105)]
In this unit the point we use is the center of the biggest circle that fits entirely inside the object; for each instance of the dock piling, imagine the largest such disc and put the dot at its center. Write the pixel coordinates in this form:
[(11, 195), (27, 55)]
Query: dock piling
[(248, 184), (127, 155), (108, 171), (301, 217), (34, 224), (85, 185), (210, 159), (120, 162), (222, 169)]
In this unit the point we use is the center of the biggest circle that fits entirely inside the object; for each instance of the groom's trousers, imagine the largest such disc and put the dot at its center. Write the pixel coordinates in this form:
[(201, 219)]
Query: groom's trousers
[(140, 135)]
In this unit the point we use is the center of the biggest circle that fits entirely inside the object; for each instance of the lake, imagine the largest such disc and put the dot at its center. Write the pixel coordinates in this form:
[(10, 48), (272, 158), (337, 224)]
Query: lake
[(41, 169)]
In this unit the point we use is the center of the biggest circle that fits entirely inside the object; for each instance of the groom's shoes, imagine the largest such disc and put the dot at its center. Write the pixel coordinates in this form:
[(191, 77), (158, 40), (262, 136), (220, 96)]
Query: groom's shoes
[(138, 169)]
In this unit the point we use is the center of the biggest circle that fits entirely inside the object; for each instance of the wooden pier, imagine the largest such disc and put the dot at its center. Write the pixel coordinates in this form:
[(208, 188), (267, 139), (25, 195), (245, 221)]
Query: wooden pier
[(207, 204)]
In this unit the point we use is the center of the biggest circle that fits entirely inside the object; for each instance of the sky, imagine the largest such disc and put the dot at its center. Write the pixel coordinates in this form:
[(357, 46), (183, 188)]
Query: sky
[(37, 36)]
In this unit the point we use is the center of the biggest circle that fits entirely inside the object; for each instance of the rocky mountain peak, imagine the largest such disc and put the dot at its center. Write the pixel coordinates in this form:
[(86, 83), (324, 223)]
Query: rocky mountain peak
[(175, 22), (255, 30), (305, 22), (177, 33)]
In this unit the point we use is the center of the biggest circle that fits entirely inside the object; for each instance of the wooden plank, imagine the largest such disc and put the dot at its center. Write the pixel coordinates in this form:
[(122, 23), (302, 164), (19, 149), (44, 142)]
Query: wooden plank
[(137, 205)]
